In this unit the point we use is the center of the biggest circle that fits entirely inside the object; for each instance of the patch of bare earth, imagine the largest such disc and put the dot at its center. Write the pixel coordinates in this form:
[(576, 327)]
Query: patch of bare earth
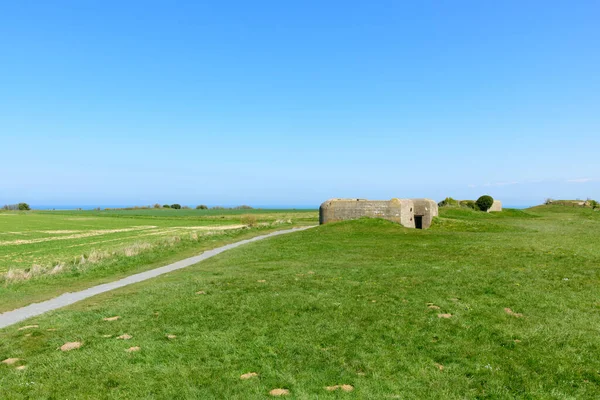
[(70, 346), (511, 312), (171, 337), (125, 336), (21, 367), (345, 388), (248, 375), (133, 349), (444, 315), (116, 317), (279, 392), (201, 292), (10, 361), (440, 366), (432, 306)]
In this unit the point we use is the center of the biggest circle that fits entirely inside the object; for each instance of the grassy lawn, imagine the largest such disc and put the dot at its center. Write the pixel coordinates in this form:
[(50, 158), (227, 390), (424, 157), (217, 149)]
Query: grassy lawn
[(480, 306), (44, 254), (46, 237)]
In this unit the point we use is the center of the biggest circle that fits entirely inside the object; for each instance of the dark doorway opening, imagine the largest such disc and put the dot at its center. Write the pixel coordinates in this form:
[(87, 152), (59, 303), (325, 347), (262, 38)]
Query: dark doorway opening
[(419, 221)]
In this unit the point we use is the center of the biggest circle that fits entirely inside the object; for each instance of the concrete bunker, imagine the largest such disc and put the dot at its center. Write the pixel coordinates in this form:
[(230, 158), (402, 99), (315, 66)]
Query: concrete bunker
[(496, 206), (411, 213)]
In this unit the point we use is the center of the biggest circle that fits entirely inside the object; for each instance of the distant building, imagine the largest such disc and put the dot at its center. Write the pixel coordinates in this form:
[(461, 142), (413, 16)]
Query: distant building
[(411, 213)]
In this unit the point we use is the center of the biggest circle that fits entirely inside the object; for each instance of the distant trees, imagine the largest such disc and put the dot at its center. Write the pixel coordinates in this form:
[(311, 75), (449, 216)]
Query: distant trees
[(485, 202), (156, 205), (166, 206), (176, 206), (202, 207), (242, 207), (14, 207)]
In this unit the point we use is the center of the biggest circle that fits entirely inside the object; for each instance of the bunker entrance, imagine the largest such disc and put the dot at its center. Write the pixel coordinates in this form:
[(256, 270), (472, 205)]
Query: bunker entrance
[(419, 221)]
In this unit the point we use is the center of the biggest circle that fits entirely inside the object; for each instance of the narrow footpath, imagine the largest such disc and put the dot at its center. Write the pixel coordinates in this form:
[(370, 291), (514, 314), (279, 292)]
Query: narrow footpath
[(33, 310)]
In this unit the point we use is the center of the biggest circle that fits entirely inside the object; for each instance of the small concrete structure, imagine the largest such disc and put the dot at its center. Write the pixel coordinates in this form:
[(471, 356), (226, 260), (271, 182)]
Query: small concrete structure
[(496, 206), (411, 213)]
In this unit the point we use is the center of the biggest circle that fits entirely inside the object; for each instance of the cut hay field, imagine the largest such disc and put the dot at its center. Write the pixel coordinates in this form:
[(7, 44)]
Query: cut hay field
[(43, 252), (497, 306)]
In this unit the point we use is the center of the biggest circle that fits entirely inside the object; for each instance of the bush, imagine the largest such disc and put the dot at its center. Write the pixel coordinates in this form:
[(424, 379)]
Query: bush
[(448, 201), (24, 207), (249, 220), (470, 204), (176, 206), (485, 202), (156, 205), (201, 207), (243, 207), (166, 206), (594, 204)]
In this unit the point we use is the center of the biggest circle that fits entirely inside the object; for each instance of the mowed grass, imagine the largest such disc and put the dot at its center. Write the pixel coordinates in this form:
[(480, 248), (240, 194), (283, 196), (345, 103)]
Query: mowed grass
[(44, 254), (29, 238), (480, 306)]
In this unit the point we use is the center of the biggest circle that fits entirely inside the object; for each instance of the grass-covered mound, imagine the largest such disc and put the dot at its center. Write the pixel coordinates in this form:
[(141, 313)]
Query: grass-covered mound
[(506, 312)]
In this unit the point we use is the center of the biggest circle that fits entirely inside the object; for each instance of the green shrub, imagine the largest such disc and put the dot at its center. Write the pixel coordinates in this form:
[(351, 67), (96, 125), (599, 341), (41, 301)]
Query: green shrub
[(594, 204), (201, 207), (166, 206), (24, 207), (447, 202), (485, 202), (470, 204), (249, 220), (176, 206)]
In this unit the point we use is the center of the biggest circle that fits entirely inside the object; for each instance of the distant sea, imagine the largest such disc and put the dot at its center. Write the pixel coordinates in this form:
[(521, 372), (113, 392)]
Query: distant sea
[(92, 207), (268, 207)]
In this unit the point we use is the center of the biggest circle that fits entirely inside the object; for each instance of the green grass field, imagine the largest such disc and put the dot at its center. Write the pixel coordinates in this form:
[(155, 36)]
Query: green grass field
[(44, 254), (497, 306)]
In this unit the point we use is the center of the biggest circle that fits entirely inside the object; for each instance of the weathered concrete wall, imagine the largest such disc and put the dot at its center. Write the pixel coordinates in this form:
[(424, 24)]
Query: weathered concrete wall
[(401, 211), (407, 213), (496, 206), (427, 209), (345, 209)]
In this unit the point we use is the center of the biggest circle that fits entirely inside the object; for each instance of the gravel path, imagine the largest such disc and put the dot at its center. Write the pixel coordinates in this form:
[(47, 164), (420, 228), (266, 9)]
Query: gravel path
[(20, 314)]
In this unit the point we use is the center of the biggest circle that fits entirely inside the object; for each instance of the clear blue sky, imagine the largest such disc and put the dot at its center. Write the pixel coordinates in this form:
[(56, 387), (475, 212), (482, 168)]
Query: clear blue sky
[(291, 103)]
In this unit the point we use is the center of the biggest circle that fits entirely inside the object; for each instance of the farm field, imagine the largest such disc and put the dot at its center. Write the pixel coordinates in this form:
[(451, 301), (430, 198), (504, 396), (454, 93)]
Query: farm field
[(481, 305), (45, 253)]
